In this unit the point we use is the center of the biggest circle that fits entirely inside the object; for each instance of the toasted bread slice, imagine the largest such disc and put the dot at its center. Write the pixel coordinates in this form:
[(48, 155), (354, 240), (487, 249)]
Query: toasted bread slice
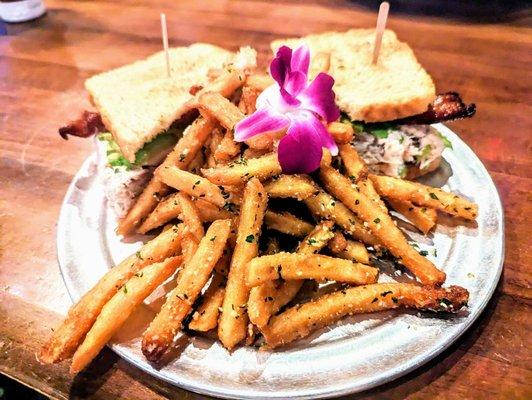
[(137, 101), (396, 87)]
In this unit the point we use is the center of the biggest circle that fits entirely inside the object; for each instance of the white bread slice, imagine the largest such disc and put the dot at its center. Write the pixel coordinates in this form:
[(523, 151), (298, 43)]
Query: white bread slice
[(137, 101), (396, 87)]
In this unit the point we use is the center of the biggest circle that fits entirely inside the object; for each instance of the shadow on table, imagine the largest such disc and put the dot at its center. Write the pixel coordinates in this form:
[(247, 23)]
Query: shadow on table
[(476, 11)]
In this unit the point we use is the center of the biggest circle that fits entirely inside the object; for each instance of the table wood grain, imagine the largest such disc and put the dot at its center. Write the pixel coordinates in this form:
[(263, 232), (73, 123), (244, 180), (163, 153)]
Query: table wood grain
[(43, 64)]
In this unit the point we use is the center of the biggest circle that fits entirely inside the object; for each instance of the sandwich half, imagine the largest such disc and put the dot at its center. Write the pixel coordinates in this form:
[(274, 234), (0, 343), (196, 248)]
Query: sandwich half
[(141, 114), (391, 104)]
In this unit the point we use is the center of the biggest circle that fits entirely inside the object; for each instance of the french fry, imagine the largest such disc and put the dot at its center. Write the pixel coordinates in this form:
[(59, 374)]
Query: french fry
[(190, 216), (290, 266), (233, 321), (239, 172), (197, 163), (357, 170), (356, 167), (299, 321), (120, 307), (321, 62), (381, 225), (425, 196), (338, 243), (205, 318), (146, 202), (159, 336), (341, 133), (317, 239), (169, 208), (221, 109), (422, 218), (350, 250), (323, 205), (266, 299), (81, 316), (213, 143), (299, 187), (193, 185), (228, 148), (264, 141), (287, 223), (181, 156), (226, 83), (190, 246), (248, 101), (259, 81), (255, 153)]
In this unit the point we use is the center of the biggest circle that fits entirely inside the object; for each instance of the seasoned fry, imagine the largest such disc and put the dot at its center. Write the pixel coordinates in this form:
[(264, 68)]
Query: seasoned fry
[(425, 196), (81, 316), (146, 202), (248, 101), (228, 148), (195, 274), (287, 223), (357, 170), (323, 205), (299, 321), (120, 307), (299, 187), (317, 239), (197, 163), (260, 81), (243, 170), (338, 243), (422, 218), (290, 266), (255, 153), (193, 185), (266, 299), (341, 133), (221, 109), (352, 250), (190, 216), (205, 318), (382, 226), (233, 321), (225, 84), (213, 143), (169, 208), (181, 156), (356, 167)]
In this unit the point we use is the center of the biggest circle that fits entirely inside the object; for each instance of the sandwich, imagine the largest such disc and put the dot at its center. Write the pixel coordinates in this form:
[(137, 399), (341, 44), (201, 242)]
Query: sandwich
[(391, 104), (141, 114)]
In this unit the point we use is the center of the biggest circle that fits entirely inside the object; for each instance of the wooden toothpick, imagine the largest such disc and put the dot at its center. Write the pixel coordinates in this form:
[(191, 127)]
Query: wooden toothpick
[(165, 43), (379, 30)]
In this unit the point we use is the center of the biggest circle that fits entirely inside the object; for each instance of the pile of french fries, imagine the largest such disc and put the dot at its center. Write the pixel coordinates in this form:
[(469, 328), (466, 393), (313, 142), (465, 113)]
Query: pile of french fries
[(212, 199)]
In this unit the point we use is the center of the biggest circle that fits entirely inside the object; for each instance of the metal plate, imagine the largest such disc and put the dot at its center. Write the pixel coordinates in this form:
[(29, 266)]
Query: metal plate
[(356, 354)]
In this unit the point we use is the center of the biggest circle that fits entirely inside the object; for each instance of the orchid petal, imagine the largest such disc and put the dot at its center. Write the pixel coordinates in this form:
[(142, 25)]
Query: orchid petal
[(265, 120), (301, 59), (301, 149), (280, 65), (295, 83), (319, 97)]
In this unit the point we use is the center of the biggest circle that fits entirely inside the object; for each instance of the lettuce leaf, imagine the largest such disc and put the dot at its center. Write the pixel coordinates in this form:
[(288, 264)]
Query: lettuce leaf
[(161, 143)]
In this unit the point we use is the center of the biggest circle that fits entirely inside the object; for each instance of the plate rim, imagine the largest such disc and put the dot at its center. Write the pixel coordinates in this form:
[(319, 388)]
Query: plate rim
[(385, 377)]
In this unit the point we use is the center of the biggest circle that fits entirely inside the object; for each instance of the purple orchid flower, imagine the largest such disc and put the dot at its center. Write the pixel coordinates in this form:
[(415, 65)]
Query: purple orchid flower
[(299, 107)]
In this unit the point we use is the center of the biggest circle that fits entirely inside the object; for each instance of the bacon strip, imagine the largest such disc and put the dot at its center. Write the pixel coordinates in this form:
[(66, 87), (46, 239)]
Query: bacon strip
[(446, 107), (88, 124)]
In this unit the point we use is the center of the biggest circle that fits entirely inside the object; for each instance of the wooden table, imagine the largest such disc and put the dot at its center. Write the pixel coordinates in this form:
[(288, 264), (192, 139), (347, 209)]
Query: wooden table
[(42, 68)]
